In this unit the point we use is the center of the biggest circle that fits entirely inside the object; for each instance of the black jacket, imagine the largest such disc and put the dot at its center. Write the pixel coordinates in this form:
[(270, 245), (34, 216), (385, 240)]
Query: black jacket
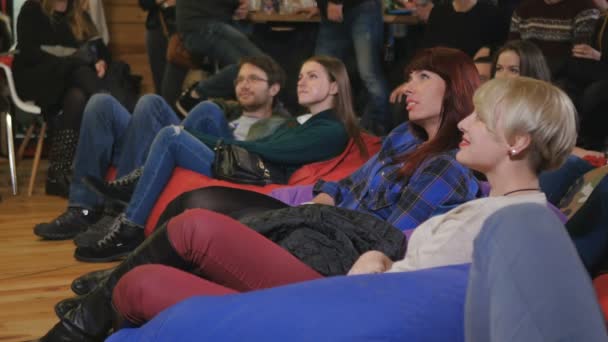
[(326, 238)]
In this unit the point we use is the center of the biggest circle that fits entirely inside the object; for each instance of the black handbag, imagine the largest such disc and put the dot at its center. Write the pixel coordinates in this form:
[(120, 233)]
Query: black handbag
[(235, 164)]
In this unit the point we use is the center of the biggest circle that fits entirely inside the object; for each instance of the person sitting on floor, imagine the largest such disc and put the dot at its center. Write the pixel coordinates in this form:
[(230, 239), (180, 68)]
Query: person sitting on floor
[(110, 135)]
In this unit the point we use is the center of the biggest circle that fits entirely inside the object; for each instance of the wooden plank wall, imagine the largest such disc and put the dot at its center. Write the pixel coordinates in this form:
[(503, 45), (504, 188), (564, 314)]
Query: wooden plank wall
[(126, 24)]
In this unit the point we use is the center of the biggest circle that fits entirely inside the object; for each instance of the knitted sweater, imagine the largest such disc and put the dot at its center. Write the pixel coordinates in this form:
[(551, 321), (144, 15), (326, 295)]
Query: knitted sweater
[(554, 28)]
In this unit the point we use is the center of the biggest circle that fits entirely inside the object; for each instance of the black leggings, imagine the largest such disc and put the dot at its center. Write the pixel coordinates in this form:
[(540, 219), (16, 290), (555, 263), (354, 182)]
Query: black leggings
[(236, 203), (83, 83)]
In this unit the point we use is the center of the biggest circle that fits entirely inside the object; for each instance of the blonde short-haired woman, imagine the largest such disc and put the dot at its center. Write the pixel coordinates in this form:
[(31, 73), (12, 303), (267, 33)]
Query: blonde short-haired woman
[(520, 127)]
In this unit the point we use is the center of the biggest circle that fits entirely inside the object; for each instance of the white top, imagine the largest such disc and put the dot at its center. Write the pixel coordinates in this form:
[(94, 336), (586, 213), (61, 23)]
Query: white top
[(448, 239), (240, 127)]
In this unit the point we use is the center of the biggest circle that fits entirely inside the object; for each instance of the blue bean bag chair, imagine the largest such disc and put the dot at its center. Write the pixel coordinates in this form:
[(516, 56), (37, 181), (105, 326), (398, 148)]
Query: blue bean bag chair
[(421, 306)]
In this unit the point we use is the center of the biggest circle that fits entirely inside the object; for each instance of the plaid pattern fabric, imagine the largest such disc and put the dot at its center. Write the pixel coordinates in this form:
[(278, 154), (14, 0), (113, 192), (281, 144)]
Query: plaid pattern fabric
[(439, 184)]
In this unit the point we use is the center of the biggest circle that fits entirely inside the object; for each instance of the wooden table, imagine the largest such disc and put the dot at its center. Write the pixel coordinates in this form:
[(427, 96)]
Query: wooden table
[(261, 17)]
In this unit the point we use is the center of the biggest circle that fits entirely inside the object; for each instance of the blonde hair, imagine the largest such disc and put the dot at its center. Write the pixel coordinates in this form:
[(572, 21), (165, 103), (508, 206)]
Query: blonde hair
[(81, 23), (529, 106), (78, 18)]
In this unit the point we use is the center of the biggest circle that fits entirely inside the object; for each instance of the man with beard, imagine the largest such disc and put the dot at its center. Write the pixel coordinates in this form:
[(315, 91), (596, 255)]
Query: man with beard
[(109, 136)]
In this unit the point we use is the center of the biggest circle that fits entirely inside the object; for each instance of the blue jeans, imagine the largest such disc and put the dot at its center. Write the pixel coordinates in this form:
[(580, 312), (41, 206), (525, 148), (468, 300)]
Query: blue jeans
[(224, 44), (527, 283), (109, 135), (172, 147), (207, 117), (363, 30)]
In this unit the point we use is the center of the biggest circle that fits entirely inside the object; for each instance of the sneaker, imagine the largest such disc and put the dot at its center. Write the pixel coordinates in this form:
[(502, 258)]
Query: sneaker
[(122, 238), (67, 225), (95, 231), (186, 101), (119, 190)]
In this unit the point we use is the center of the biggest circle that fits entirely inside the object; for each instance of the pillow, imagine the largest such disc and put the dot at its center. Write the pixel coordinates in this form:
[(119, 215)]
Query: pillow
[(421, 306)]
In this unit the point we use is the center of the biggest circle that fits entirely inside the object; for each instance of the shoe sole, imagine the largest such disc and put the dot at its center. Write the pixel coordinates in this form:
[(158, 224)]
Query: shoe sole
[(54, 237), (92, 187), (116, 257)]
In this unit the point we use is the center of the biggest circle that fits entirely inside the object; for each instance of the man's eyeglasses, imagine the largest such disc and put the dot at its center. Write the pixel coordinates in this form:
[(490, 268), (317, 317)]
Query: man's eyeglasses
[(249, 79)]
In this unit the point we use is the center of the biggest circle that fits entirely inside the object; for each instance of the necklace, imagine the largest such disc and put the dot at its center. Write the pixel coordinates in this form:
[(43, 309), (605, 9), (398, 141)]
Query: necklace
[(520, 190)]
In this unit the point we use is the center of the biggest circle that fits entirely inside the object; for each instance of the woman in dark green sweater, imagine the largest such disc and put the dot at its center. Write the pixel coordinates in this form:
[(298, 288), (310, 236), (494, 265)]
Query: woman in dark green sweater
[(323, 88)]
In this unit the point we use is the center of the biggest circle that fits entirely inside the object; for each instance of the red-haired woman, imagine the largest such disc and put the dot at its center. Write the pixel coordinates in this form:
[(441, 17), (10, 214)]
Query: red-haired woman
[(414, 176)]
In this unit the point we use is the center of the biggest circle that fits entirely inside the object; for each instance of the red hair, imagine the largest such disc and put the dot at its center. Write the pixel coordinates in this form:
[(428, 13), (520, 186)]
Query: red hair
[(461, 79)]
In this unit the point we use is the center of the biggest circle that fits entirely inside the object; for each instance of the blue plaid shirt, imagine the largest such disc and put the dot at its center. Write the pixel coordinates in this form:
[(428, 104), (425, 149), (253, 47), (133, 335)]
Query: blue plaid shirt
[(439, 184)]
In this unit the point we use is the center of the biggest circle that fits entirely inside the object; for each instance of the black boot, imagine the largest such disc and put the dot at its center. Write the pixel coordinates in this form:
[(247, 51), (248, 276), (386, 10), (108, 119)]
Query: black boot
[(91, 314), (67, 225), (119, 190), (61, 155), (88, 282), (122, 237)]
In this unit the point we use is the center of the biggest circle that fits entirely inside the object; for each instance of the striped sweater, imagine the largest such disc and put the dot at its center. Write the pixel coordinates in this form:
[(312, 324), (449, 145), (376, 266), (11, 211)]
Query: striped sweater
[(554, 27)]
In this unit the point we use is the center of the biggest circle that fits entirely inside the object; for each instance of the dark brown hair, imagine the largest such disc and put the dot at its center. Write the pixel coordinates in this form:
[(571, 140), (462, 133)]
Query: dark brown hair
[(532, 62), (274, 72)]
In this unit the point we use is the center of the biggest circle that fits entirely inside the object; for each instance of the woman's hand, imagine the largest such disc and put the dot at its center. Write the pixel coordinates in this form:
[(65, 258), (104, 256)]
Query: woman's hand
[(101, 67), (371, 262), (324, 198), (398, 94), (334, 12), (586, 51)]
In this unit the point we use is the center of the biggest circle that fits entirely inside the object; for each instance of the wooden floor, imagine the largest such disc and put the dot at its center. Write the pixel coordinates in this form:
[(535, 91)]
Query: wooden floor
[(34, 274)]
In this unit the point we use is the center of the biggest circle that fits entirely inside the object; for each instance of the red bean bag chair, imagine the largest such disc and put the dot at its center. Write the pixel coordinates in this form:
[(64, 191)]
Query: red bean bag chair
[(601, 289), (184, 180)]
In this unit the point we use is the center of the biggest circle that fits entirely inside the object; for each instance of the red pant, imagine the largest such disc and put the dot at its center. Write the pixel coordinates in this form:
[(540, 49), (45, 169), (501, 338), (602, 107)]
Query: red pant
[(229, 255)]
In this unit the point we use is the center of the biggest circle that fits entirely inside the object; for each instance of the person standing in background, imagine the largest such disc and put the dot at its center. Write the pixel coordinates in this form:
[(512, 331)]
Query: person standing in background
[(358, 24), (156, 38)]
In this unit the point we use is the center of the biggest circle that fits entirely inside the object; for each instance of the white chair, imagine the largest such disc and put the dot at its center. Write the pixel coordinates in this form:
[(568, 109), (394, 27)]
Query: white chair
[(27, 107)]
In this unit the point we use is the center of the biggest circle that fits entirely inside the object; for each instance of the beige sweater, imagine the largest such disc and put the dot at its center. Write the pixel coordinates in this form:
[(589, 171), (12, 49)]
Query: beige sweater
[(448, 239)]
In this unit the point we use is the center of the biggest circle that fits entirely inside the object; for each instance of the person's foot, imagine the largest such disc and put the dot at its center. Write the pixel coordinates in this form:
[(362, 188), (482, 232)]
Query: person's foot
[(64, 332), (119, 190), (88, 282), (67, 225), (187, 100), (95, 231), (122, 237), (66, 305)]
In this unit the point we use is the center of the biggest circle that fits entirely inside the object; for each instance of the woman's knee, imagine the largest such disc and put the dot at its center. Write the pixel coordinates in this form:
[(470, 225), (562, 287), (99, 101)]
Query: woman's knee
[(167, 134), (99, 108), (153, 111), (137, 288)]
